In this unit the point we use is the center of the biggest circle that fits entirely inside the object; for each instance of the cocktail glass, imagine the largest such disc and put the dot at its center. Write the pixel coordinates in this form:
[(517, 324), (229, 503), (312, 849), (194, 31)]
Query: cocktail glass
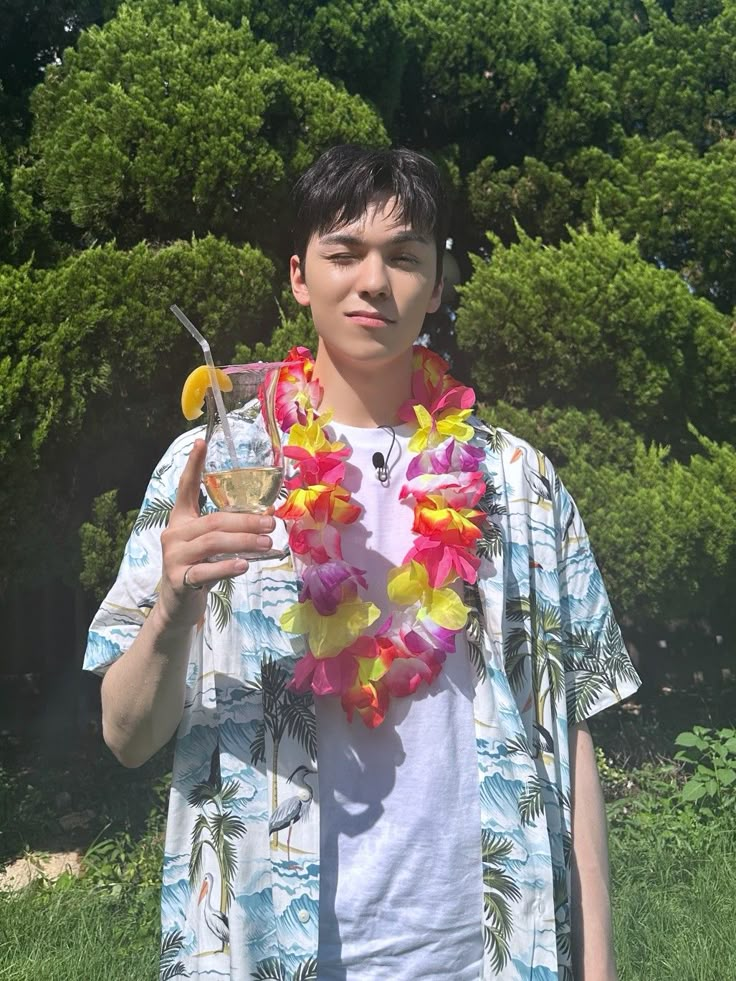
[(251, 482)]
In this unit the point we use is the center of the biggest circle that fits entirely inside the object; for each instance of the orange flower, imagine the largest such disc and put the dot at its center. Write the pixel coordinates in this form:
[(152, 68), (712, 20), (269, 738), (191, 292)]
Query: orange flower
[(322, 502), (369, 701), (446, 525)]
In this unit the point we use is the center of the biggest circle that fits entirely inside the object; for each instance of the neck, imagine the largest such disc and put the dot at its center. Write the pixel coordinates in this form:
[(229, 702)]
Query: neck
[(363, 395)]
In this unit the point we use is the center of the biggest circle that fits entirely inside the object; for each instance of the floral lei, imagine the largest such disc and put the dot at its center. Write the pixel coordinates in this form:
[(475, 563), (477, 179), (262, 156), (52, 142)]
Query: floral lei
[(443, 484)]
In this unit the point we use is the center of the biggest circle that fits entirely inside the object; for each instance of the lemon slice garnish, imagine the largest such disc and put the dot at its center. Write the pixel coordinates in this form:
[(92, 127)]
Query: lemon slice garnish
[(195, 387)]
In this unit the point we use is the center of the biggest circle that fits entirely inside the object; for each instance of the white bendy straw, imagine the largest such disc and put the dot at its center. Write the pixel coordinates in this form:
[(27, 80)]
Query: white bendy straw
[(182, 317)]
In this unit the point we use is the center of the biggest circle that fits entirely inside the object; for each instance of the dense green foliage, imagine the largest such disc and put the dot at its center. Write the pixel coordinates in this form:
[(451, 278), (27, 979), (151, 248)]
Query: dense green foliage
[(590, 323), (589, 148)]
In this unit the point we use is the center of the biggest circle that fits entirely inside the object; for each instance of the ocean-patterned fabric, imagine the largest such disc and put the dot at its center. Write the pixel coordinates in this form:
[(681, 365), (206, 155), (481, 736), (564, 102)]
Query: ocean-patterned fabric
[(241, 870)]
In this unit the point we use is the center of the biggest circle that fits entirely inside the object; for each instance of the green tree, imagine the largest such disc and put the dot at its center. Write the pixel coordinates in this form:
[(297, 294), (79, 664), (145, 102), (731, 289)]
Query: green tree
[(88, 352), (678, 75), (663, 530), (591, 324), (533, 195), (102, 543), (363, 45), (167, 122), (33, 35), (679, 204)]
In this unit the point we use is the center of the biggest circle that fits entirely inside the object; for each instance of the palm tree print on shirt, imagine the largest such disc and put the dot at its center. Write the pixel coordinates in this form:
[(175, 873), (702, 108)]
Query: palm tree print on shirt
[(499, 892), (474, 630), (221, 599), (537, 639), (491, 540), (595, 663), (169, 965), (273, 969), (284, 711), (217, 828)]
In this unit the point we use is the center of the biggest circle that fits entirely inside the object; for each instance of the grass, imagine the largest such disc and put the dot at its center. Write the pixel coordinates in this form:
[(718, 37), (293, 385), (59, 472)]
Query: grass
[(78, 932), (674, 908)]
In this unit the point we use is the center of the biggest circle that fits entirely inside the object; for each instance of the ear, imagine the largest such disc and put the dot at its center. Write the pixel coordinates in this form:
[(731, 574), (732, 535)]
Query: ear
[(298, 282), (436, 297)]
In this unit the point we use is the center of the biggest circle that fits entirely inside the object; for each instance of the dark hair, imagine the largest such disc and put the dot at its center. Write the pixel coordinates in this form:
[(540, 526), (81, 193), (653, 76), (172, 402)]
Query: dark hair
[(340, 184)]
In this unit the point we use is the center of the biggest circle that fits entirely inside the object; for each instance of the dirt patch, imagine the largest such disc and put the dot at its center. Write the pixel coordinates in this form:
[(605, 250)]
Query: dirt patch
[(18, 874)]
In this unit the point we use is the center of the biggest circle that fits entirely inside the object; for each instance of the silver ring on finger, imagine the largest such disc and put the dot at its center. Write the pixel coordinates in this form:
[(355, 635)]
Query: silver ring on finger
[(190, 585)]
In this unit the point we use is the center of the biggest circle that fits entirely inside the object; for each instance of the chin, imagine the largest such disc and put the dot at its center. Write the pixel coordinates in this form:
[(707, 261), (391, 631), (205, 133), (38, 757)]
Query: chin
[(374, 355), (372, 348)]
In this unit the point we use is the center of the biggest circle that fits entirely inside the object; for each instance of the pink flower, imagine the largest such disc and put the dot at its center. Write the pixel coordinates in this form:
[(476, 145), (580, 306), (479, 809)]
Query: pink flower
[(433, 387), (444, 562), (457, 490), (315, 544), (332, 675), (325, 675), (295, 380), (407, 673), (317, 468)]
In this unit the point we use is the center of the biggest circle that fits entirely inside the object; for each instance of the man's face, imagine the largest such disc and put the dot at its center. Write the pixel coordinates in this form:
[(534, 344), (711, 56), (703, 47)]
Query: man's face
[(369, 285)]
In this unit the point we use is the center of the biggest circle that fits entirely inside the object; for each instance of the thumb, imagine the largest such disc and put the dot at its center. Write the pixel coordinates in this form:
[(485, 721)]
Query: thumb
[(186, 503)]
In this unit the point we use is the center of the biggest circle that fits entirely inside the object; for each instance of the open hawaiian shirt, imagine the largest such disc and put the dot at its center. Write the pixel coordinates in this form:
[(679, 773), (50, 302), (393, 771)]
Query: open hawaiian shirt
[(240, 902)]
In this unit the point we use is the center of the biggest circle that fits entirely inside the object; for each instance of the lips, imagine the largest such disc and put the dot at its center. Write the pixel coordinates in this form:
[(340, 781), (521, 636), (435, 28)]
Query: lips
[(369, 318)]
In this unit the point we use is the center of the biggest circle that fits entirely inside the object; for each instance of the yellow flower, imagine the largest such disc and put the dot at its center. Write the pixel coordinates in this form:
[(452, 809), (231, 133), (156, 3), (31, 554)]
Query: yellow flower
[(435, 430), (409, 584), (311, 437), (370, 669), (327, 636)]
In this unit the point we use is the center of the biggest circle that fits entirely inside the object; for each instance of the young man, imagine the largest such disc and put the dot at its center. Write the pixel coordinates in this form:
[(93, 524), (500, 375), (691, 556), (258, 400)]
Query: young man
[(460, 833)]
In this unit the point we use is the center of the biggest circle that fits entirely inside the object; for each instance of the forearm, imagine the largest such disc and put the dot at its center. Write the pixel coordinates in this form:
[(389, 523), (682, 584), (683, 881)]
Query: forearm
[(143, 692), (592, 933)]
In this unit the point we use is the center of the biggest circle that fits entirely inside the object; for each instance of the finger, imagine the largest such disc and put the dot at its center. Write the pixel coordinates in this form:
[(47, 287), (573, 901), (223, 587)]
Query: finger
[(224, 522), (217, 543), (208, 574), (186, 501)]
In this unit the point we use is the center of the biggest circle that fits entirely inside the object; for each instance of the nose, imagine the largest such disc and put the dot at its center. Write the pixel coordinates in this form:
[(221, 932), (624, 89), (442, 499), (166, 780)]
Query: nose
[(373, 276)]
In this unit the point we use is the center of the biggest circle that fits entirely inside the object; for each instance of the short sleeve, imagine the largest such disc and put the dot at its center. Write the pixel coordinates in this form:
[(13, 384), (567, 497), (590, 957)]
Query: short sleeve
[(598, 669), (135, 591)]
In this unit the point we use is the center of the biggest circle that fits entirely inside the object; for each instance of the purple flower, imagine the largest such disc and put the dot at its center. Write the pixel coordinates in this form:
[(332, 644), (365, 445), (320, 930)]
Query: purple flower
[(449, 456), (329, 583)]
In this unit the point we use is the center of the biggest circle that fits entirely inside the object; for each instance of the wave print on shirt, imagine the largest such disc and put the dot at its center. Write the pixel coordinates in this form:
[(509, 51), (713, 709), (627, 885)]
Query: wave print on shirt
[(261, 635), (582, 575), (136, 553), (175, 897), (257, 910), (500, 795), (537, 973), (546, 579), (100, 651)]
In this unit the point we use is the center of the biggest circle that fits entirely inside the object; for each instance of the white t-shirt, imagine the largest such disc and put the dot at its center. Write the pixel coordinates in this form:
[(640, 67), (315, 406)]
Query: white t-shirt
[(399, 804)]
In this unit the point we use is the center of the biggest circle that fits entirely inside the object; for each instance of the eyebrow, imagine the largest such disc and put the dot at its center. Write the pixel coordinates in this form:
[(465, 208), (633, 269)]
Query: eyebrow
[(343, 238)]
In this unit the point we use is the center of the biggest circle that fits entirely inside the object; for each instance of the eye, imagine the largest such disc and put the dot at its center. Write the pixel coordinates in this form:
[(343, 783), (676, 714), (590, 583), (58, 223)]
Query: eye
[(341, 258), (410, 259)]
